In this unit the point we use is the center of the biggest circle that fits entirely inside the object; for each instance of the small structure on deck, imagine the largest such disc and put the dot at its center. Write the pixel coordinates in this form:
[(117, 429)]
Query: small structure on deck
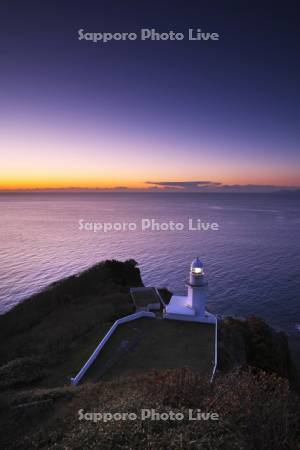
[(146, 298)]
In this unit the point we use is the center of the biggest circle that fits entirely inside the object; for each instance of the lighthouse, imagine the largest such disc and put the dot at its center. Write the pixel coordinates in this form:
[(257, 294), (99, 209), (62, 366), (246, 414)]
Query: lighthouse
[(191, 307), (197, 288)]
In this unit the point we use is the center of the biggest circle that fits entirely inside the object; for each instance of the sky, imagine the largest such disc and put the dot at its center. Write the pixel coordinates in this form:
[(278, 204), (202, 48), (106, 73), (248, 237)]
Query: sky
[(149, 114)]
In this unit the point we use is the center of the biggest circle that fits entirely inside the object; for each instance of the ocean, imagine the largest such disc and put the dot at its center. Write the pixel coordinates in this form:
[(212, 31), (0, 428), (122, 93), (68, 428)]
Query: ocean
[(251, 253)]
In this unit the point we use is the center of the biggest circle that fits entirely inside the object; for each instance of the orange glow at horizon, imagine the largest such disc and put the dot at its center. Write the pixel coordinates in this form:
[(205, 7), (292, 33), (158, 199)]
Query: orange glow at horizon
[(54, 182), (52, 176), (49, 158), (49, 183)]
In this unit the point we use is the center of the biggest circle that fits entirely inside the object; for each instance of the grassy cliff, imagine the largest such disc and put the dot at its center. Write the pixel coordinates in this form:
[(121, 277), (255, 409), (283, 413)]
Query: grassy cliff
[(50, 335), (46, 339)]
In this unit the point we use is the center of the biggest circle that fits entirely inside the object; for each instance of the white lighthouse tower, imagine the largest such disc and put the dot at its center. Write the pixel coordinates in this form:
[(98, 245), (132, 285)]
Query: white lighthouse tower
[(192, 306), (197, 288)]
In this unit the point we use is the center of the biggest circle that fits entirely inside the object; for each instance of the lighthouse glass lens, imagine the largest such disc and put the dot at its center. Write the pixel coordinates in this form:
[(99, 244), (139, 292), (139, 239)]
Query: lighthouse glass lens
[(197, 270)]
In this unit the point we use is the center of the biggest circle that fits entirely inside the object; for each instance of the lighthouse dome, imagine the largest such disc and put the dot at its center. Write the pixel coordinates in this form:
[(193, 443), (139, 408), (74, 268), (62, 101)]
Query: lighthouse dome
[(197, 267)]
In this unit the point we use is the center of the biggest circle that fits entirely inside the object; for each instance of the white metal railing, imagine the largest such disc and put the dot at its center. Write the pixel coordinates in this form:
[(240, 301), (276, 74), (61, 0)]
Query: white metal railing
[(75, 380), (160, 297), (216, 350)]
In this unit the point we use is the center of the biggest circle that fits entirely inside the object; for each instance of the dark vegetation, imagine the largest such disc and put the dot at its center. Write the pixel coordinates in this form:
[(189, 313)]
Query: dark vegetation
[(46, 339), (256, 412), (64, 323), (252, 342), (159, 344)]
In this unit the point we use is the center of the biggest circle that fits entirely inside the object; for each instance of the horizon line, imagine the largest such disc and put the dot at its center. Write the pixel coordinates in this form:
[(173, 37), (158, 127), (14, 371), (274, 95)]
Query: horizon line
[(221, 190)]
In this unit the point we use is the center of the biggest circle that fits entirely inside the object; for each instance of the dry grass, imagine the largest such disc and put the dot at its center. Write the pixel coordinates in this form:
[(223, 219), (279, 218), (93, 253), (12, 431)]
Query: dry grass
[(256, 411), (146, 343)]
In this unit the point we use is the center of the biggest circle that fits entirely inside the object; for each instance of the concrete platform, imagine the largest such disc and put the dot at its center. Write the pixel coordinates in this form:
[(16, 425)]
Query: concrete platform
[(179, 308)]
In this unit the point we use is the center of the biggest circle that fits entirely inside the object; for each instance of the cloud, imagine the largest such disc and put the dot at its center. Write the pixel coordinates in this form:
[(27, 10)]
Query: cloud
[(254, 188), (183, 184), (213, 186)]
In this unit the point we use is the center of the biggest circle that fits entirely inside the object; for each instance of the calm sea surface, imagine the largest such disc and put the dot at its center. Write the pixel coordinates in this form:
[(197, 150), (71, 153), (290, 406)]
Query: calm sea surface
[(252, 263)]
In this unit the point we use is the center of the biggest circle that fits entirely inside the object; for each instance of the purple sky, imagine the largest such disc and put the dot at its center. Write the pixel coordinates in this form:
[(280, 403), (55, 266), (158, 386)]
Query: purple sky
[(84, 114)]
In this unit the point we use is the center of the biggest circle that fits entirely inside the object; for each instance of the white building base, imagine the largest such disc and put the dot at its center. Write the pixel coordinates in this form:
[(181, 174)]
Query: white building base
[(180, 308)]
